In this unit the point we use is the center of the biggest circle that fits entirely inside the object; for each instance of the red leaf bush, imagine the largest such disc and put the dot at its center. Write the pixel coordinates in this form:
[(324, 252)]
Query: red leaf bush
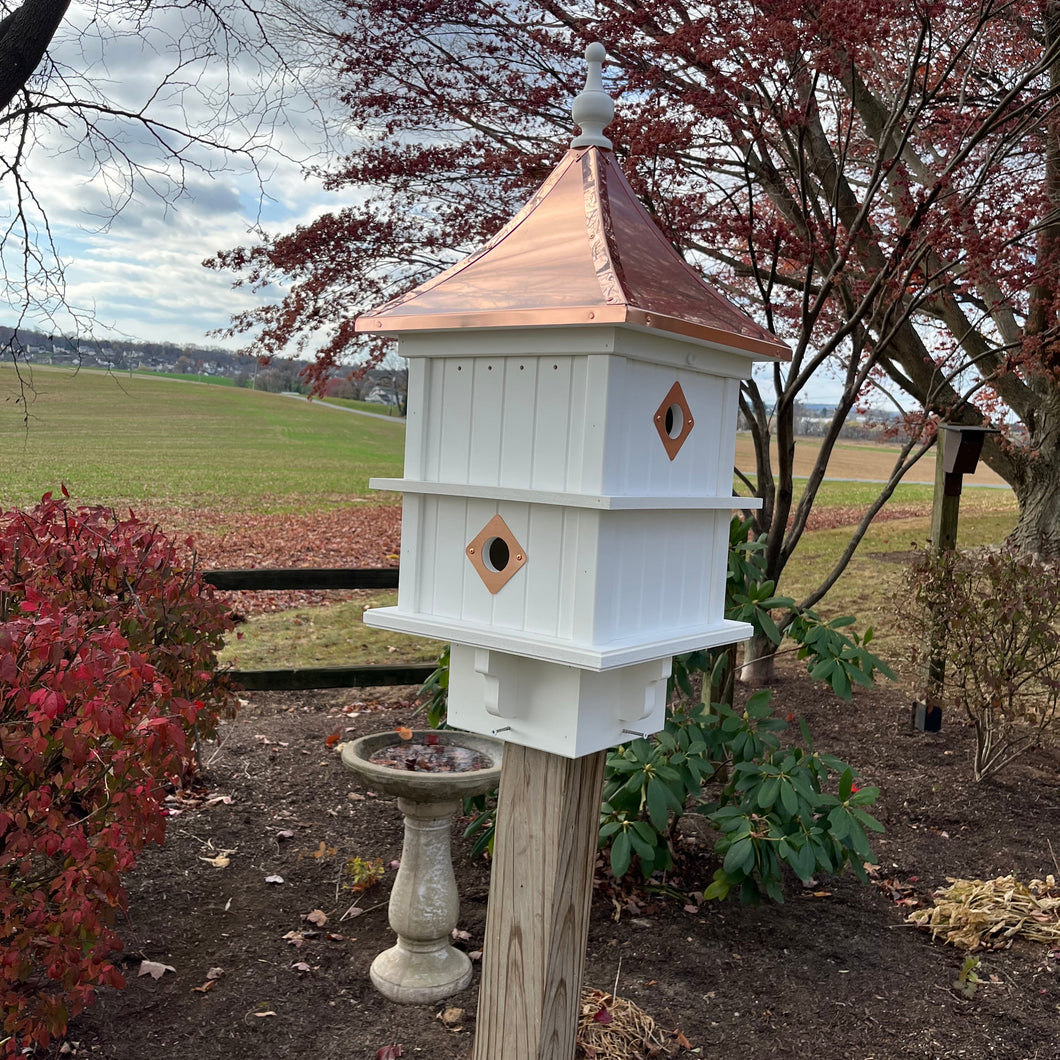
[(108, 647)]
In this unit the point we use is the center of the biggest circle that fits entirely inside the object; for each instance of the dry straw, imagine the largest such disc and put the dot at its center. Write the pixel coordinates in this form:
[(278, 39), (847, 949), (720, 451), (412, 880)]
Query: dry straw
[(611, 1028), (990, 914)]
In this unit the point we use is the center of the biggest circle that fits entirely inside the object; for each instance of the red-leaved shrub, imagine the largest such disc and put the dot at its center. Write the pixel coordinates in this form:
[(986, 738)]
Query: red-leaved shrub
[(108, 649)]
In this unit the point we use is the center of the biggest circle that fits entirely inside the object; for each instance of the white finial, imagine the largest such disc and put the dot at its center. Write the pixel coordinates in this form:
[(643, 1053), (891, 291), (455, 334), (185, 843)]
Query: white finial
[(593, 108)]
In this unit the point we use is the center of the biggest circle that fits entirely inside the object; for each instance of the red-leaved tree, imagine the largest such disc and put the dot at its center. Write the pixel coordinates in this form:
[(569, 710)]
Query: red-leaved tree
[(877, 181)]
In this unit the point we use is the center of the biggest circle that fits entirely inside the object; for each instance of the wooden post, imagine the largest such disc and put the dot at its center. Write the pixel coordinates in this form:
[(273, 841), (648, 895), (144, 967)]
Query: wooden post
[(927, 713), (537, 924)]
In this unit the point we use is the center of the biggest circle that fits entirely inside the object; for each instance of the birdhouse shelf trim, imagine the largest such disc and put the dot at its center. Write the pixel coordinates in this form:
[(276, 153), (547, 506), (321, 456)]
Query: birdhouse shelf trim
[(568, 500), (602, 657)]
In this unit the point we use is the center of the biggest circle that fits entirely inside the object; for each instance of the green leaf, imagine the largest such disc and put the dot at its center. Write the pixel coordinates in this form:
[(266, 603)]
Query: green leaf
[(768, 792), (645, 850), (840, 682), (719, 888), (658, 804), (839, 822), (868, 820), (789, 800), (740, 857), (759, 705), (621, 854), (764, 620)]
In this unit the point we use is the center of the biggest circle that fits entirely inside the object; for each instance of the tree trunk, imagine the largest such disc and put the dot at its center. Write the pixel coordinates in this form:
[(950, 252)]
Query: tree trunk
[(24, 38), (1038, 529), (759, 661)]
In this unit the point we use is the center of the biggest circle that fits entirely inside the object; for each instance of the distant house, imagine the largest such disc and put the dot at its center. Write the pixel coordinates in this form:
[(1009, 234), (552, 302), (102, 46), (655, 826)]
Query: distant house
[(383, 395)]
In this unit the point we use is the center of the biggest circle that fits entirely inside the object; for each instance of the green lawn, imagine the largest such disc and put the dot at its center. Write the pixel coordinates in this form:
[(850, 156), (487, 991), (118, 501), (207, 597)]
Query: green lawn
[(329, 635), (121, 439)]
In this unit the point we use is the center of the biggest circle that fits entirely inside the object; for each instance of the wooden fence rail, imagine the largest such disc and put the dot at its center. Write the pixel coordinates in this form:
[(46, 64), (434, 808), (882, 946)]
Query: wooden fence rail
[(305, 678)]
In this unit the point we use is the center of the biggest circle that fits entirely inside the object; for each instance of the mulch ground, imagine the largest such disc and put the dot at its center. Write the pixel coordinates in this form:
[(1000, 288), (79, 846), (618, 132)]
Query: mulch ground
[(835, 973)]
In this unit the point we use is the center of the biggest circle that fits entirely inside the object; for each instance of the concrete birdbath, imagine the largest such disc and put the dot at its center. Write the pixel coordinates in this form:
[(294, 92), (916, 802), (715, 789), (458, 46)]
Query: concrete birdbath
[(429, 774)]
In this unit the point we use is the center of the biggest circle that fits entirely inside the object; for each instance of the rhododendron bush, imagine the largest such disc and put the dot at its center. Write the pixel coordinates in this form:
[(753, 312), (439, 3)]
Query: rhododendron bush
[(108, 648)]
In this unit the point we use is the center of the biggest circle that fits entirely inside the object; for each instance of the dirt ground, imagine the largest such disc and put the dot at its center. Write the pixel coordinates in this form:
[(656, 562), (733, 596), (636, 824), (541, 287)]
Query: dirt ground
[(834, 973)]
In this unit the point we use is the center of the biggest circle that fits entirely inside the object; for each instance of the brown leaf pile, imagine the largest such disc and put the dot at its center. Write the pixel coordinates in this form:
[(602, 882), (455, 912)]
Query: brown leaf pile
[(360, 535), (989, 914)]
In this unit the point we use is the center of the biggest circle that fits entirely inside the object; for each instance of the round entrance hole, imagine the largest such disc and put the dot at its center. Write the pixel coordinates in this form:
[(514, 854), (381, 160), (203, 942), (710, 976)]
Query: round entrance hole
[(675, 420), (495, 554)]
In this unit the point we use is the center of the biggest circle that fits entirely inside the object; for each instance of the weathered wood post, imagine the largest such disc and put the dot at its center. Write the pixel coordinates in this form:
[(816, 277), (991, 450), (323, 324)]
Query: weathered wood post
[(573, 394), (957, 452)]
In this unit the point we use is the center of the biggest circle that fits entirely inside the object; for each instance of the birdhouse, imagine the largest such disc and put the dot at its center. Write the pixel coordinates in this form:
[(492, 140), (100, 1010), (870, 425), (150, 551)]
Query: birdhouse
[(572, 405)]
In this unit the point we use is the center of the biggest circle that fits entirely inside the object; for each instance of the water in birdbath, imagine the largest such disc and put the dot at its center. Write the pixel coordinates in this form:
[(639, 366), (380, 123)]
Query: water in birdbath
[(430, 758)]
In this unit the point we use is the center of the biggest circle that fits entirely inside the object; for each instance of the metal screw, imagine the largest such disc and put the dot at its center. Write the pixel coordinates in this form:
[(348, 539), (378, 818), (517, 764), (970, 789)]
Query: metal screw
[(633, 732), (470, 551), (518, 557), (505, 728)]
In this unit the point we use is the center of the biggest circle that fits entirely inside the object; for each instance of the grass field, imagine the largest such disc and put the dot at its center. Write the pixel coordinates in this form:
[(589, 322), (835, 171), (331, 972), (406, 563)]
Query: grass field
[(187, 377), (119, 439)]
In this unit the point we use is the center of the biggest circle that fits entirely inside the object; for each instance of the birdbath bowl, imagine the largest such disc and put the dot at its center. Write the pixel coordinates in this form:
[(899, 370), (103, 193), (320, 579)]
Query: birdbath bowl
[(429, 774)]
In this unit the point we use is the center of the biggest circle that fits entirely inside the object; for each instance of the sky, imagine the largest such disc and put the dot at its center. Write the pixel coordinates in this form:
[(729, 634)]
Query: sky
[(138, 270)]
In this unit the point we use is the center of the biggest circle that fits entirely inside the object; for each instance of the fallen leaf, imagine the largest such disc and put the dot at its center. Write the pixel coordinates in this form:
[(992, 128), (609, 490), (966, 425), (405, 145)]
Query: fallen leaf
[(333, 738), (682, 1041), (222, 861), (318, 917), (218, 800), (603, 1015), (324, 851), (461, 935), (262, 1015), (406, 734), (389, 1052), (286, 833), (205, 988), (294, 938), (274, 879), (215, 973), (154, 969), (452, 1017), (301, 966)]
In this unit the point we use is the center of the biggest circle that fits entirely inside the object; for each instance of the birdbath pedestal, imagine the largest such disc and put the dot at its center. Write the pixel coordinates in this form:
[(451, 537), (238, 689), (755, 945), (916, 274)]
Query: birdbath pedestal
[(429, 774)]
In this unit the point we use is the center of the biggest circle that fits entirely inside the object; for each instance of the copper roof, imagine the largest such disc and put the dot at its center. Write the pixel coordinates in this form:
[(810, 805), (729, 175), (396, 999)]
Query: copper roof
[(582, 250)]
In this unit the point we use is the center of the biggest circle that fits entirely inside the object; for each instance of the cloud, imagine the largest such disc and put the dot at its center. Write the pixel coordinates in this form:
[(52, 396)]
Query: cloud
[(132, 222)]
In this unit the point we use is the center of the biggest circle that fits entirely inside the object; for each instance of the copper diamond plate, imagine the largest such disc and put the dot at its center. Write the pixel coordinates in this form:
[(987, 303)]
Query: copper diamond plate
[(673, 420), (495, 554)]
